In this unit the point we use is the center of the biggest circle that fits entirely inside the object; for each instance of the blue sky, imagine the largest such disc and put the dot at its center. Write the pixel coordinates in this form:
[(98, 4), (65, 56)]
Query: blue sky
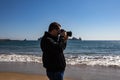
[(89, 19)]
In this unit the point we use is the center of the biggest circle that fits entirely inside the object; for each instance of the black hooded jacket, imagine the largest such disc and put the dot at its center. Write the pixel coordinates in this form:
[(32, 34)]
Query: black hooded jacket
[(53, 57)]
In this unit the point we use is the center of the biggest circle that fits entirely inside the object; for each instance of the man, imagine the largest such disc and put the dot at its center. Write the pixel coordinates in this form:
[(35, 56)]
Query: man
[(52, 46)]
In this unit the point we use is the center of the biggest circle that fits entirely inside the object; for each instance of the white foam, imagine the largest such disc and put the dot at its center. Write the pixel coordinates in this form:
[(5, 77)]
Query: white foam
[(95, 60), (19, 58), (101, 60)]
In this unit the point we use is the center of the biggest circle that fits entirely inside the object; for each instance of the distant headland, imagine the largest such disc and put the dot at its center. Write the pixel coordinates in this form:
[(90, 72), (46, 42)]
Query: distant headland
[(12, 40), (5, 40), (73, 38)]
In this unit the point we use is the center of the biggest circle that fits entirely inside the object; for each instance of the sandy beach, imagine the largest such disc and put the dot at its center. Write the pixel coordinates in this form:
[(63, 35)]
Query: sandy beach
[(22, 71), (22, 76), (35, 71)]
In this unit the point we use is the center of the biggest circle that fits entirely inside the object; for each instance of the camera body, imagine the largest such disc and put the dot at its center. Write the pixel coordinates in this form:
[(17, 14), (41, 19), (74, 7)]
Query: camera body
[(69, 33)]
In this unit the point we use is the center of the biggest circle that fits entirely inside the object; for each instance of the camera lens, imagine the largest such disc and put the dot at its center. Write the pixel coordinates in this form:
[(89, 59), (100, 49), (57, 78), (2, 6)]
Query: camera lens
[(69, 33)]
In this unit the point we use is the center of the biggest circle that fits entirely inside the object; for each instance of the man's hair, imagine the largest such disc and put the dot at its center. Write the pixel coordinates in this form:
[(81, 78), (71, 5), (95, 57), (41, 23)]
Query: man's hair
[(53, 25)]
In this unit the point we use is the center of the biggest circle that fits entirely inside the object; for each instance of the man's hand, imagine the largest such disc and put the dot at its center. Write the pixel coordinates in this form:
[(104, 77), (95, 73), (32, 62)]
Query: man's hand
[(64, 34)]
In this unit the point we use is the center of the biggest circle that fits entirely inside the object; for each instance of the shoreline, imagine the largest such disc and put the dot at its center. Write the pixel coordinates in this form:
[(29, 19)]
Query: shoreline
[(23, 71), (72, 72), (90, 60)]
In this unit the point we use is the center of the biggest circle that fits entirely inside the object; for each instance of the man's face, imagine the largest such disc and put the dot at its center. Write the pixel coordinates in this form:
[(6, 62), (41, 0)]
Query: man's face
[(57, 31)]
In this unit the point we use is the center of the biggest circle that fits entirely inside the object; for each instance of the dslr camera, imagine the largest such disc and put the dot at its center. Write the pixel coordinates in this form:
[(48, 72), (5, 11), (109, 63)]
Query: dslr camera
[(69, 33)]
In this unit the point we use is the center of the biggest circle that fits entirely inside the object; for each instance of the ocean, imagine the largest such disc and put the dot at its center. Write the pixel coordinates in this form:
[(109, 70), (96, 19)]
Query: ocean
[(77, 52)]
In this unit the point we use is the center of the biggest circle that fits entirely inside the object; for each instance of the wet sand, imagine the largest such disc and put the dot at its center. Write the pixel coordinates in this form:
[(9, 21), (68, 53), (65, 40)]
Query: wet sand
[(35, 71), (83, 72)]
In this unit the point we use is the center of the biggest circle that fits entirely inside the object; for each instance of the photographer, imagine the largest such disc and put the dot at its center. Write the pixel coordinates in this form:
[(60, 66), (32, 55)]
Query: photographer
[(52, 44)]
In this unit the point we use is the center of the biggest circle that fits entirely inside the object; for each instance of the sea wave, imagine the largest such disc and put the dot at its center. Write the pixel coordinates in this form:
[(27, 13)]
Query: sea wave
[(20, 58), (92, 60)]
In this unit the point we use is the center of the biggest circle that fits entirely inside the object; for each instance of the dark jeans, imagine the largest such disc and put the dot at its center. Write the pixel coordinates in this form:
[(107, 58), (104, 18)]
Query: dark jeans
[(55, 75)]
